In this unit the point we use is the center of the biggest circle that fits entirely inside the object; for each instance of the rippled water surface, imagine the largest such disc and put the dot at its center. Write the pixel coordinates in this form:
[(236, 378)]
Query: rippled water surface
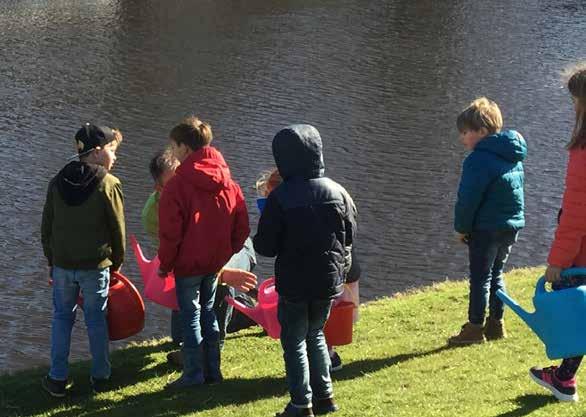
[(381, 80)]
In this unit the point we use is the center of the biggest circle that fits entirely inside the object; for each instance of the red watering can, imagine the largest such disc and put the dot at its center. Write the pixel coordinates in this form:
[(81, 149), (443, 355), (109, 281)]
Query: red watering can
[(337, 330), (125, 308), (159, 290)]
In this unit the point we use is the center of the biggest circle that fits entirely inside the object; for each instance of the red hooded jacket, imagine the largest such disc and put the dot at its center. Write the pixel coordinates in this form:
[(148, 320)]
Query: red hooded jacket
[(569, 246), (203, 218)]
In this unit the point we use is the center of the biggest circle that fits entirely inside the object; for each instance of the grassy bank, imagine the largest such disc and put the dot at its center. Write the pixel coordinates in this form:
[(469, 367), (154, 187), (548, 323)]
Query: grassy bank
[(398, 366)]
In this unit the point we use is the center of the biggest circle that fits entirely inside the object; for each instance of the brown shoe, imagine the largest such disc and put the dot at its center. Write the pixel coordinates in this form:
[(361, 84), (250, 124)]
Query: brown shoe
[(469, 335), (324, 406), (495, 329), (175, 358)]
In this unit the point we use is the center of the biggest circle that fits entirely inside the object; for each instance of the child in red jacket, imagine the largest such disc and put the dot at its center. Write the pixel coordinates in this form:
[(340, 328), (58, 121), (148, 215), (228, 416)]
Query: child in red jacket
[(203, 221), (569, 246)]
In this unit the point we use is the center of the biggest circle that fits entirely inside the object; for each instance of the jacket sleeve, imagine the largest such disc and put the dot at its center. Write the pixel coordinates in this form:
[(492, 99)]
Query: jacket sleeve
[(47, 225), (270, 228), (150, 218), (171, 227), (474, 181), (572, 227), (116, 223), (350, 227), (241, 229)]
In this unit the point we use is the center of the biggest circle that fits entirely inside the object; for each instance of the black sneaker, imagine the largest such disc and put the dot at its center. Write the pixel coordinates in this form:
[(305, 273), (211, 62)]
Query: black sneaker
[(100, 384), (324, 406), (562, 390), (336, 362), (53, 387), (175, 358), (292, 411), (182, 383)]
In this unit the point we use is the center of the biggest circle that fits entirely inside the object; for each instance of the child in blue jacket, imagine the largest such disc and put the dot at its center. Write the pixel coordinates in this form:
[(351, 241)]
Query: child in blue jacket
[(489, 213)]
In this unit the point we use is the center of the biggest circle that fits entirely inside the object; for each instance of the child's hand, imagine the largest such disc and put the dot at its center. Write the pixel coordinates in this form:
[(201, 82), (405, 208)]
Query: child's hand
[(553, 273), (238, 278), (463, 237)]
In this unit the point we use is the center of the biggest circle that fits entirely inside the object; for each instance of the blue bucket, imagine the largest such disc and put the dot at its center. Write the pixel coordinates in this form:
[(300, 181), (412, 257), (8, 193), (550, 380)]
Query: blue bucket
[(260, 203), (559, 319)]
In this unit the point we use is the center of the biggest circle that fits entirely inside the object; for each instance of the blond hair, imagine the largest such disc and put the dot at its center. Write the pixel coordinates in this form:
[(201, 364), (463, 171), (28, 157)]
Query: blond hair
[(268, 181), (117, 136), (192, 132), (576, 83), (481, 113)]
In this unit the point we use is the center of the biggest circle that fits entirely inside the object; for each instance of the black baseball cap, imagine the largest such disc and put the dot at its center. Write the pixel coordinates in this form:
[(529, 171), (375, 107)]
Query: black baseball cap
[(90, 136)]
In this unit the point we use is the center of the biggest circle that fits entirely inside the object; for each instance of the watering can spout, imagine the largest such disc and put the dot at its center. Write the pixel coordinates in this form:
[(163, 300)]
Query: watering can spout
[(525, 316), (255, 314), (146, 269), (138, 251)]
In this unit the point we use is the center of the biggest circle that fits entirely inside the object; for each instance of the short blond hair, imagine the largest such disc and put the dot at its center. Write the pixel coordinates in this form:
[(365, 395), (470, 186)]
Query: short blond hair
[(117, 136), (268, 181), (481, 113)]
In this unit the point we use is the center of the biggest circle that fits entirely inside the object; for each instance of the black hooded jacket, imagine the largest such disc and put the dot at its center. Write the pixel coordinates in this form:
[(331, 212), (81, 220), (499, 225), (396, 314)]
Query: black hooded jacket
[(308, 222)]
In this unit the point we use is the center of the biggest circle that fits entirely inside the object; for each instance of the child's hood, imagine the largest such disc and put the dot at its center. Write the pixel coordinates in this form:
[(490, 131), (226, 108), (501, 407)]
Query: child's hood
[(298, 152), (206, 169), (78, 180), (509, 145)]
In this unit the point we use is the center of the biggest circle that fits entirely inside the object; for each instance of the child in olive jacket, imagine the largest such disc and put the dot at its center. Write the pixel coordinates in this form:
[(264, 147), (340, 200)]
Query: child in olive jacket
[(83, 237)]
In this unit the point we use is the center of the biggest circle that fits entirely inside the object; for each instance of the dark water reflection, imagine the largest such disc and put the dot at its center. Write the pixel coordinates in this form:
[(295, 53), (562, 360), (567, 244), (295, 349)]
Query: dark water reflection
[(382, 81)]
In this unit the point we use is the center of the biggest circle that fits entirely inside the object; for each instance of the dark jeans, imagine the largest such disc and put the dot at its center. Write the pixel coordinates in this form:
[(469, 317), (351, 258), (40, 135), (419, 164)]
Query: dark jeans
[(246, 260), (488, 252), (222, 309), (304, 349), (201, 336)]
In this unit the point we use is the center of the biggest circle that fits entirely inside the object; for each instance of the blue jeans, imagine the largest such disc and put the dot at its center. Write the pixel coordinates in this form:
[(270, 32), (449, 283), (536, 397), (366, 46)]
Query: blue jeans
[(67, 284), (305, 351), (245, 259), (488, 252), (201, 348)]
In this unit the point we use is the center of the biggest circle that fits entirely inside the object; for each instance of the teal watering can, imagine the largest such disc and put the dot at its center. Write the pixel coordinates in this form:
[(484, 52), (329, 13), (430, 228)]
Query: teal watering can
[(559, 319)]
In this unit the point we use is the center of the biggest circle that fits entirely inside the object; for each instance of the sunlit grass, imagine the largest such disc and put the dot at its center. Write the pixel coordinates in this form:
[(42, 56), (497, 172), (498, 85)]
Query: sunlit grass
[(398, 365)]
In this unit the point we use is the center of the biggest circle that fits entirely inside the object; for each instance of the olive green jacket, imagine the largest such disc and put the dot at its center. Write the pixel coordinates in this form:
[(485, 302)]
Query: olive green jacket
[(90, 235)]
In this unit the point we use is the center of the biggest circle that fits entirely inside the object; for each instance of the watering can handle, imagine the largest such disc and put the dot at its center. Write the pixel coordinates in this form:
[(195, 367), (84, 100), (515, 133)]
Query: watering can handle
[(540, 286), (570, 272)]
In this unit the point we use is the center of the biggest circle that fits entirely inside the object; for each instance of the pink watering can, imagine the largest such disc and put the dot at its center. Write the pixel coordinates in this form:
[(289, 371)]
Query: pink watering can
[(337, 330), (265, 312), (156, 289)]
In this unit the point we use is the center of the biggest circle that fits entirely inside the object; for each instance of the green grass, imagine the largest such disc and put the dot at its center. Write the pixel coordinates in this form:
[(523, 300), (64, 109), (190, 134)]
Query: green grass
[(398, 365)]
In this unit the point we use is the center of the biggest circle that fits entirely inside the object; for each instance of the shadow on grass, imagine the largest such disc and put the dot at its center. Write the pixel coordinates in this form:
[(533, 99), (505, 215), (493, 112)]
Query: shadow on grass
[(528, 403), (254, 331), (21, 394), (360, 368)]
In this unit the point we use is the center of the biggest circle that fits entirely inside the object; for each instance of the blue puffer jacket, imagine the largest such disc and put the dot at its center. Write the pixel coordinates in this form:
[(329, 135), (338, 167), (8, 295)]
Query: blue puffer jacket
[(490, 196)]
